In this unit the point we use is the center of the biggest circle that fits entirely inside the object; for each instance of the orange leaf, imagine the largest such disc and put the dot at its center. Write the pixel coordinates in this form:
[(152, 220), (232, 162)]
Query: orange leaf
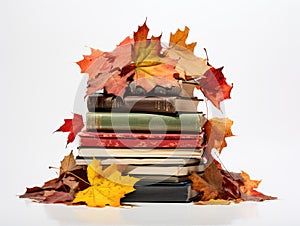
[(217, 129), (73, 126), (89, 59), (188, 65), (151, 67)]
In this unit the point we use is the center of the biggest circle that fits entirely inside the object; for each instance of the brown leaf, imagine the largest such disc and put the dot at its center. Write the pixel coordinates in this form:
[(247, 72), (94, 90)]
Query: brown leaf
[(210, 184), (53, 196), (68, 164)]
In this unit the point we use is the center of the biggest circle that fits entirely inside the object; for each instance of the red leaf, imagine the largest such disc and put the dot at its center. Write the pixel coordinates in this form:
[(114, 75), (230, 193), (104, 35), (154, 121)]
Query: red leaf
[(73, 126), (214, 86)]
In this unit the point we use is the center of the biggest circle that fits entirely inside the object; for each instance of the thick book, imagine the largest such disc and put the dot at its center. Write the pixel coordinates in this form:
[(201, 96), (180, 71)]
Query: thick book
[(139, 152), (162, 192), (134, 141), (115, 121), (138, 161), (99, 102)]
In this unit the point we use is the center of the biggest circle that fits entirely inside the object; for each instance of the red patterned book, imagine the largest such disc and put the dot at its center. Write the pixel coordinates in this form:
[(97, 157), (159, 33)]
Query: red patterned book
[(140, 140)]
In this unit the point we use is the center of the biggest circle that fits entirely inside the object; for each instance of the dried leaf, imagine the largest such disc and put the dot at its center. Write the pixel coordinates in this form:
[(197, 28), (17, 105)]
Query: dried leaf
[(68, 164), (214, 202), (57, 197), (217, 129), (151, 67), (105, 191), (187, 63), (214, 86), (210, 184), (88, 60), (73, 126)]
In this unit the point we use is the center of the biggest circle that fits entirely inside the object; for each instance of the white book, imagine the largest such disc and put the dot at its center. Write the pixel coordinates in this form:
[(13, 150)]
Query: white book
[(131, 153), (138, 161)]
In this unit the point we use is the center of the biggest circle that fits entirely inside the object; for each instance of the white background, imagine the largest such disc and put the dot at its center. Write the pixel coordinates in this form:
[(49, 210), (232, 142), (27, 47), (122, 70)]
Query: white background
[(256, 41)]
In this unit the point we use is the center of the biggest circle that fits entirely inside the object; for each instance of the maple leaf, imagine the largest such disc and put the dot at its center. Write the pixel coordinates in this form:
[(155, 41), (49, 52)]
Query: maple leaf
[(214, 86), (210, 184), (151, 67), (248, 189), (88, 60), (68, 164), (106, 190), (187, 64), (73, 126), (217, 129)]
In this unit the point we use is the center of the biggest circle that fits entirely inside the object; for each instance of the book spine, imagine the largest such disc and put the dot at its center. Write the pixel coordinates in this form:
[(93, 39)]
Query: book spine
[(99, 103), (140, 143), (161, 193), (141, 136), (144, 122)]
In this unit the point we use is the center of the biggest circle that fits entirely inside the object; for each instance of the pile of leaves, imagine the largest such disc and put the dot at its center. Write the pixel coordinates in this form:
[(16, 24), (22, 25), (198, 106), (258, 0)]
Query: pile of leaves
[(143, 61), (80, 185)]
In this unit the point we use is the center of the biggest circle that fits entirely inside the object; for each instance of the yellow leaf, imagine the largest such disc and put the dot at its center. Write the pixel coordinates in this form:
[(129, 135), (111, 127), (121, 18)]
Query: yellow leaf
[(107, 186)]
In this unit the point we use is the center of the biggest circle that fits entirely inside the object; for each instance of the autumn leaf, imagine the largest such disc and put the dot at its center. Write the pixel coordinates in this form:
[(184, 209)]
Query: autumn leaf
[(248, 189), (107, 186), (88, 60), (214, 202), (68, 164), (188, 65), (210, 184), (217, 129), (214, 86), (151, 67), (73, 126)]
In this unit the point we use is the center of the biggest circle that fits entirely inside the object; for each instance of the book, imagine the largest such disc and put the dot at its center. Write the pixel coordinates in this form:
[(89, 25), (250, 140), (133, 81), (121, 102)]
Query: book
[(140, 152), (107, 121), (177, 170), (99, 102), (160, 142), (138, 161), (162, 192)]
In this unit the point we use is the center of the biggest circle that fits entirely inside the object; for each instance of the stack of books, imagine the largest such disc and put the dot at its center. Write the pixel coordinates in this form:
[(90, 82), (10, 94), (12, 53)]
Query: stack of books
[(158, 139)]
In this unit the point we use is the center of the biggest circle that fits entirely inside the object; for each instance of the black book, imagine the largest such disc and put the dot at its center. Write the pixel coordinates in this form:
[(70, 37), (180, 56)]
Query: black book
[(162, 192)]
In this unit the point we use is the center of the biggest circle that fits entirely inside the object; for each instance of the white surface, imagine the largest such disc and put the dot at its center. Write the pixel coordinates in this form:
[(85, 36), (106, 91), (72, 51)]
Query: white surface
[(256, 41)]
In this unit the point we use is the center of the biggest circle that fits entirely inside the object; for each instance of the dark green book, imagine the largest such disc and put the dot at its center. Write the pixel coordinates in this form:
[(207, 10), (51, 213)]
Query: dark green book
[(114, 121)]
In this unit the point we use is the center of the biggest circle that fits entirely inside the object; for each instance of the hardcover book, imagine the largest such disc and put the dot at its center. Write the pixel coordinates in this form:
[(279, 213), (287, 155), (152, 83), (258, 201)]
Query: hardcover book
[(133, 153), (162, 192), (107, 121), (99, 102)]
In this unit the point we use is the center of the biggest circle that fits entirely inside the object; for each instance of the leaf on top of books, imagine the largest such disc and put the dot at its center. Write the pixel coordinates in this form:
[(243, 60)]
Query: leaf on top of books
[(216, 130), (117, 84), (152, 68), (188, 64), (68, 164), (214, 86), (73, 126), (88, 60), (105, 190)]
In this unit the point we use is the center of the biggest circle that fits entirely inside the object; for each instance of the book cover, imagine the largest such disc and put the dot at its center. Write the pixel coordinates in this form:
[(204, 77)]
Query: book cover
[(162, 192), (138, 161), (107, 121), (139, 152), (99, 102)]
